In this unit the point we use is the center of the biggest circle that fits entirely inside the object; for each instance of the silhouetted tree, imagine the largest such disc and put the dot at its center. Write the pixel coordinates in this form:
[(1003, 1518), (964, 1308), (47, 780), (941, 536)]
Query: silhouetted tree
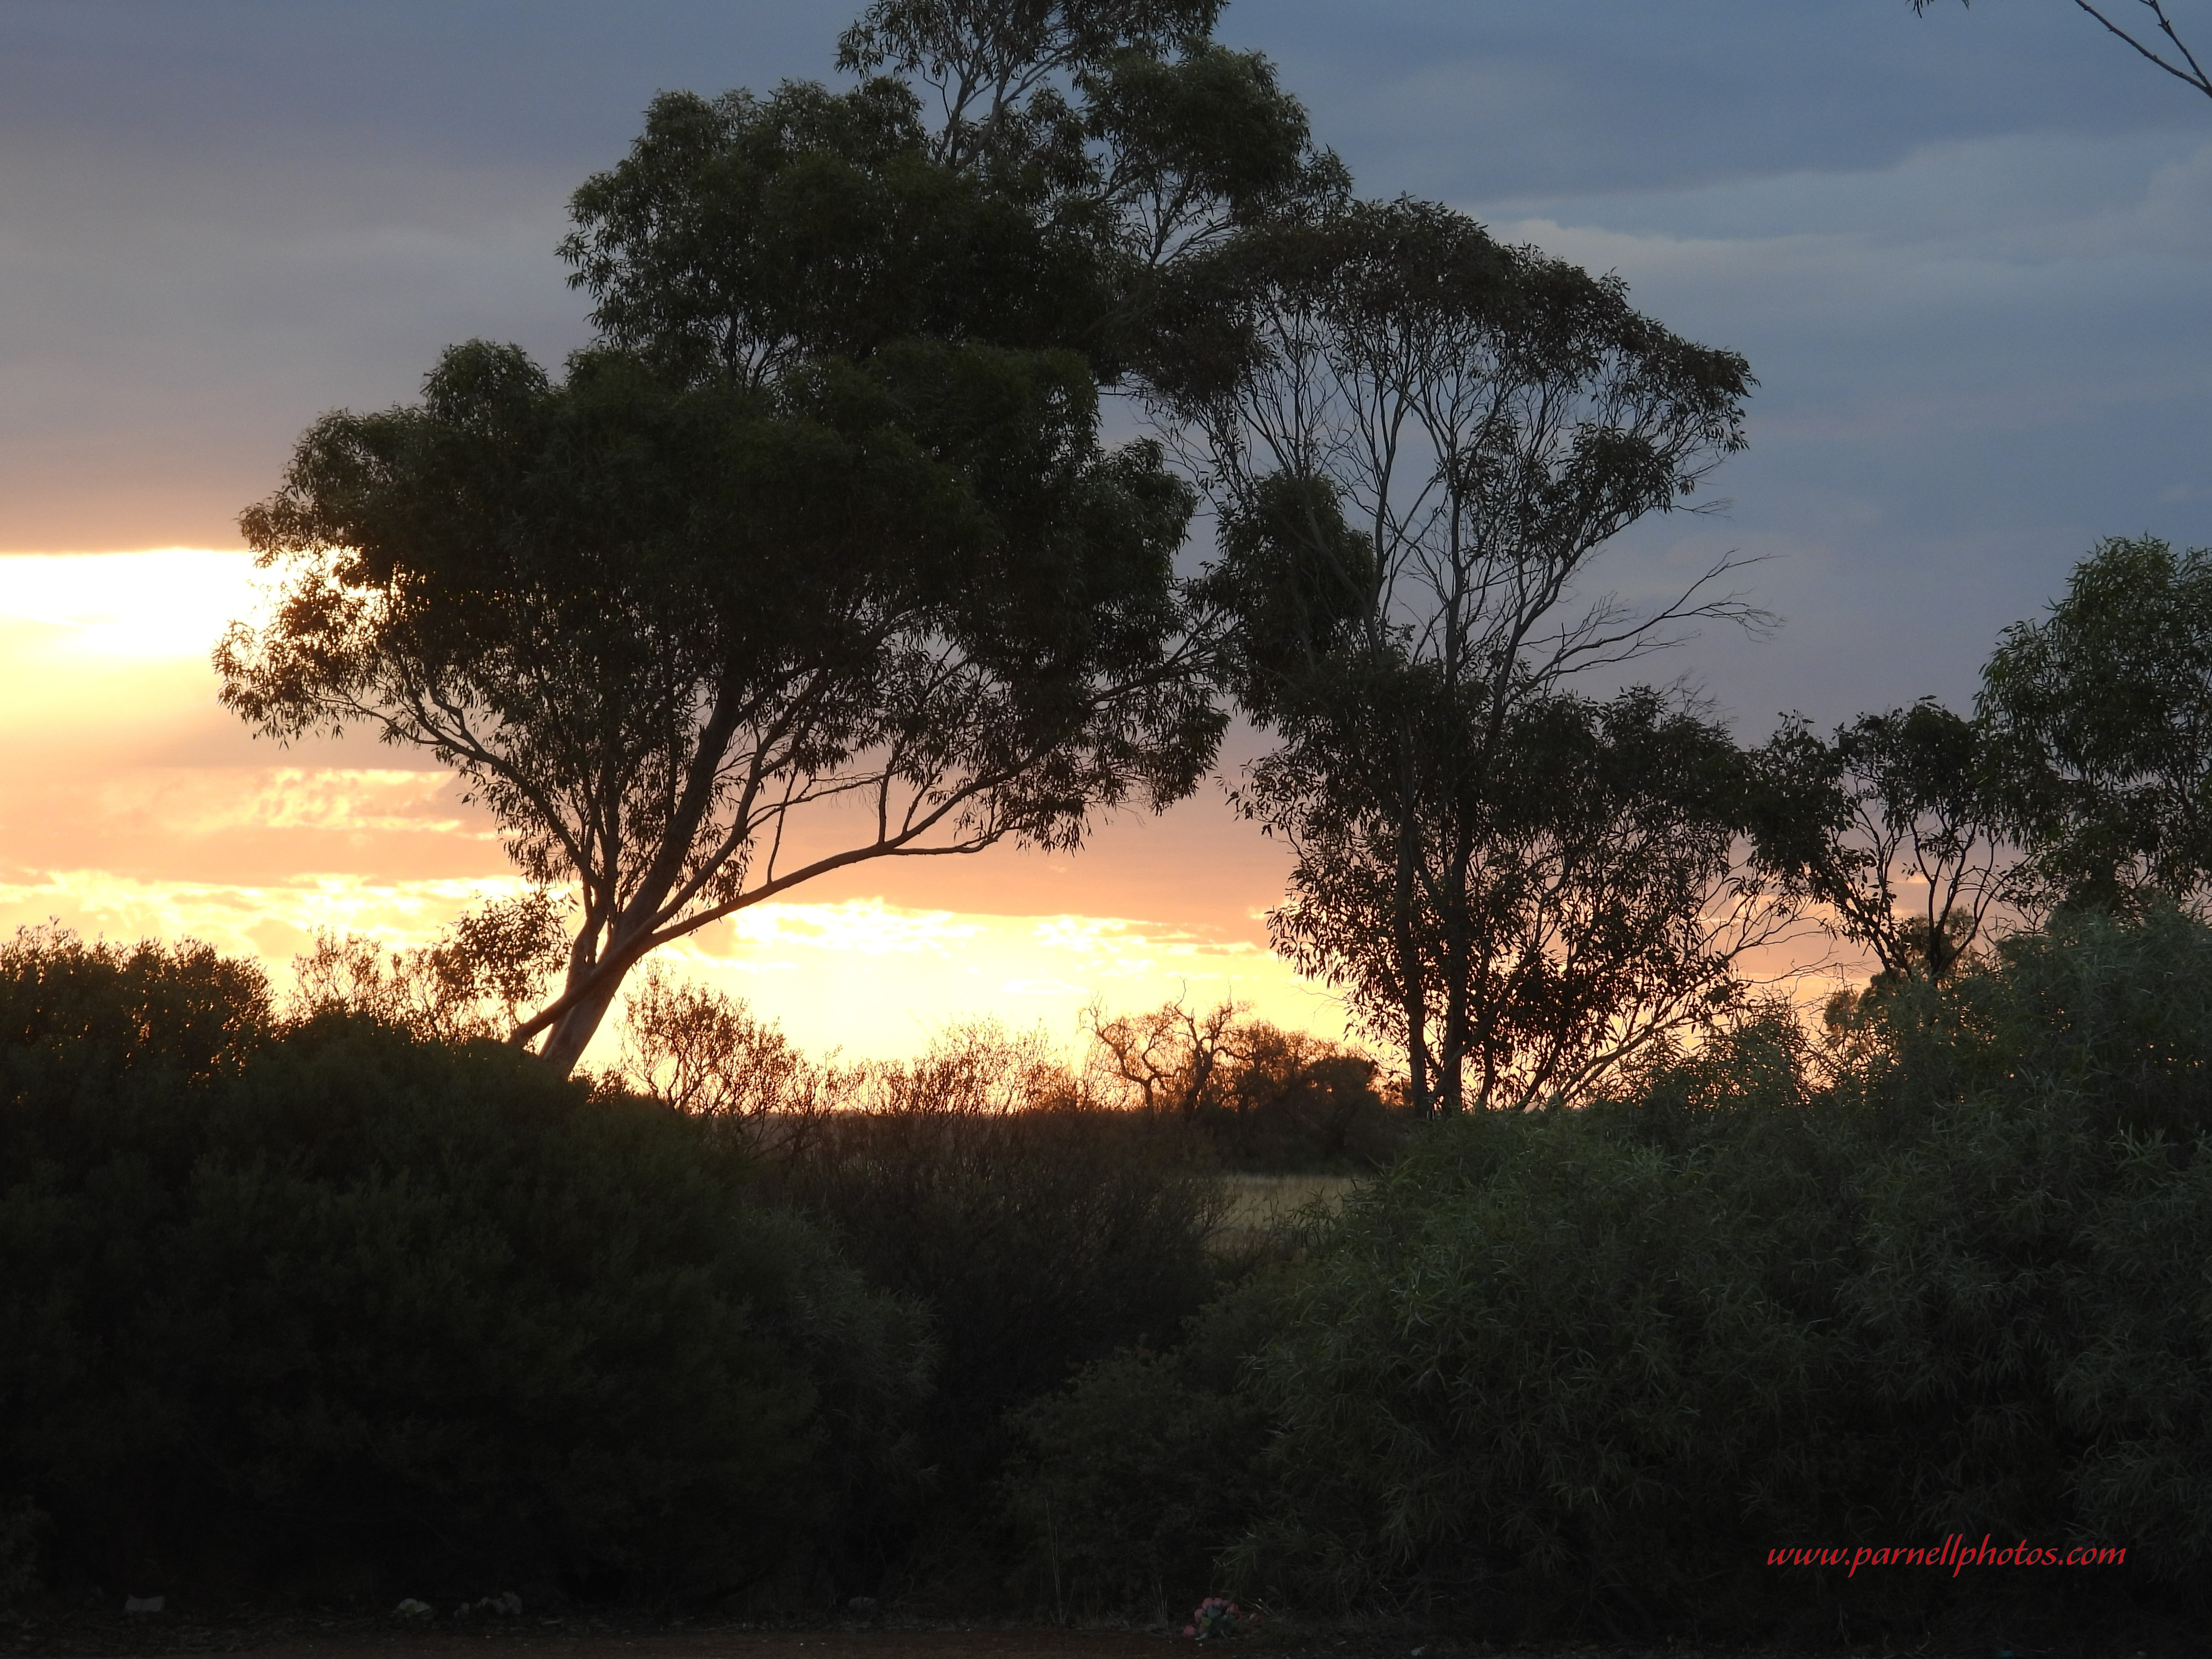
[(1603, 899), (1175, 1057), (2100, 721), (1419, 440), (1075, 153), (1893, 825), (1262, 1094), (695, 646), (819, 556)]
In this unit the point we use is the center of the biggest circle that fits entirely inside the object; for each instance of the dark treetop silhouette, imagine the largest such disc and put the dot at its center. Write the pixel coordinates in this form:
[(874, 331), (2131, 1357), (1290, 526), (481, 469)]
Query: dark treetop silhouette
[(1893, 826), (1419, 441), (817, 558)]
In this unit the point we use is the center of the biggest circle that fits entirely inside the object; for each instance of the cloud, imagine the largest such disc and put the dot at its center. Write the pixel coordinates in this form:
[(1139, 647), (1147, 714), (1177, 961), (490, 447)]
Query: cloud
[(1118, 948), (1517, 96), (354, 801), (272, 920), (227, 218), (866, 978), (866, 926), (1974, 360), (1967, 256)]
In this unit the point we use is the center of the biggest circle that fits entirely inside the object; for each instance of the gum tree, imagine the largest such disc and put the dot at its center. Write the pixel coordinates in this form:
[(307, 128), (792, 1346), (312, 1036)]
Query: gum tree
[(1419, 441), (818, 557), (695, 646), (2098, 718), (1896, 831)]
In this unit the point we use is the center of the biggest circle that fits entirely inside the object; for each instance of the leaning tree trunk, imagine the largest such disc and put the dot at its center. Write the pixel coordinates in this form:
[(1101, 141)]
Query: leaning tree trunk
[(574, 1027), (572, 1033)]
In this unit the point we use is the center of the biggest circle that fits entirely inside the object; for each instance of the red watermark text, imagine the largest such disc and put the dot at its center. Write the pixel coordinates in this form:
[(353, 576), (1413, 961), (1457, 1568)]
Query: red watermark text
[(1956, 1554)]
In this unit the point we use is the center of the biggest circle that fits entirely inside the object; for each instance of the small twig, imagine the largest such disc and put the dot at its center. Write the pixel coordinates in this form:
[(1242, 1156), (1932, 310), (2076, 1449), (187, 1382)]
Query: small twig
[(2193, 75)]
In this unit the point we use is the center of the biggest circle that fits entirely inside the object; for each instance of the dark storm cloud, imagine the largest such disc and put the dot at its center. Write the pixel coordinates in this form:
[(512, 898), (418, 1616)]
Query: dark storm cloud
[(1966, 254)]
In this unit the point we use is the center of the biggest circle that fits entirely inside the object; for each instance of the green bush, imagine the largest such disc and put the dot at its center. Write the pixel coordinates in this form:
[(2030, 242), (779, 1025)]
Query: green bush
[(1567, 1361), (1122, 1486), (1947, 1274), (330, 1304), (317, 1302), (2035, 1295), (1946, 1271)]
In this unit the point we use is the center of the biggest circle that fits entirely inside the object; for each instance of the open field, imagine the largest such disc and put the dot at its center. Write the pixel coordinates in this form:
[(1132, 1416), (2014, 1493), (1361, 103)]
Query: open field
[(1260, 1200)]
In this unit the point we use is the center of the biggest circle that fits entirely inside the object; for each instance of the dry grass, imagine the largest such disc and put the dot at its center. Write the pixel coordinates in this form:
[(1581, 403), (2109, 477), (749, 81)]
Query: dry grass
[(1257, 1202)]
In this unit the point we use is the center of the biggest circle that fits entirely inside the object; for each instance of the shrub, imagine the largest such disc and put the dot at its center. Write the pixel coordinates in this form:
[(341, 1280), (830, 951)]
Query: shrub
[(1947, 1274), (1039, 1235), (1261, 1098), (2036, 1292), (478, 979), (332, 1302), (1554, 1363), (1123, 1485), (1294, 1103)]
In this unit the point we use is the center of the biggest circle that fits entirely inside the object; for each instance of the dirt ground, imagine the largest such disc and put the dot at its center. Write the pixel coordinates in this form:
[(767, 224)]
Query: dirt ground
[(309, 1636), (107, 1637), (558, 1641)]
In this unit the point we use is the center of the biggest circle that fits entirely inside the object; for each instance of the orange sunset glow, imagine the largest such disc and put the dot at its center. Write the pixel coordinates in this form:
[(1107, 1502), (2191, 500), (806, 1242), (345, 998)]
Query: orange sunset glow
[(139, 807)]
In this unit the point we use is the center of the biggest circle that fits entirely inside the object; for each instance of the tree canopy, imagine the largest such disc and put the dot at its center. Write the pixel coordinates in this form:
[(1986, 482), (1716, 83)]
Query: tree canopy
[(817, 554), (1893, 824), (2099, 718), (1076, 154), (1419, 440), (1579, 899), (693, 645)]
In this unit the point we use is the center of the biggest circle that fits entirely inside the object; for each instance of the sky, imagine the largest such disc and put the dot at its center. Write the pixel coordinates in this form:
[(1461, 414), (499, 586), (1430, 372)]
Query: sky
[(1967, 255)]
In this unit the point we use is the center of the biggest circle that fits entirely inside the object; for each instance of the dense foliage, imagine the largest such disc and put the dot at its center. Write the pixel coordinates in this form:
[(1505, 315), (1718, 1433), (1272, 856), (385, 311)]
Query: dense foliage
[(2099, 719), (1039, 1235), (662, 629), (817, 555), (1420, 442), (327, 1305), (1942, 1272), (305, 1299)]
